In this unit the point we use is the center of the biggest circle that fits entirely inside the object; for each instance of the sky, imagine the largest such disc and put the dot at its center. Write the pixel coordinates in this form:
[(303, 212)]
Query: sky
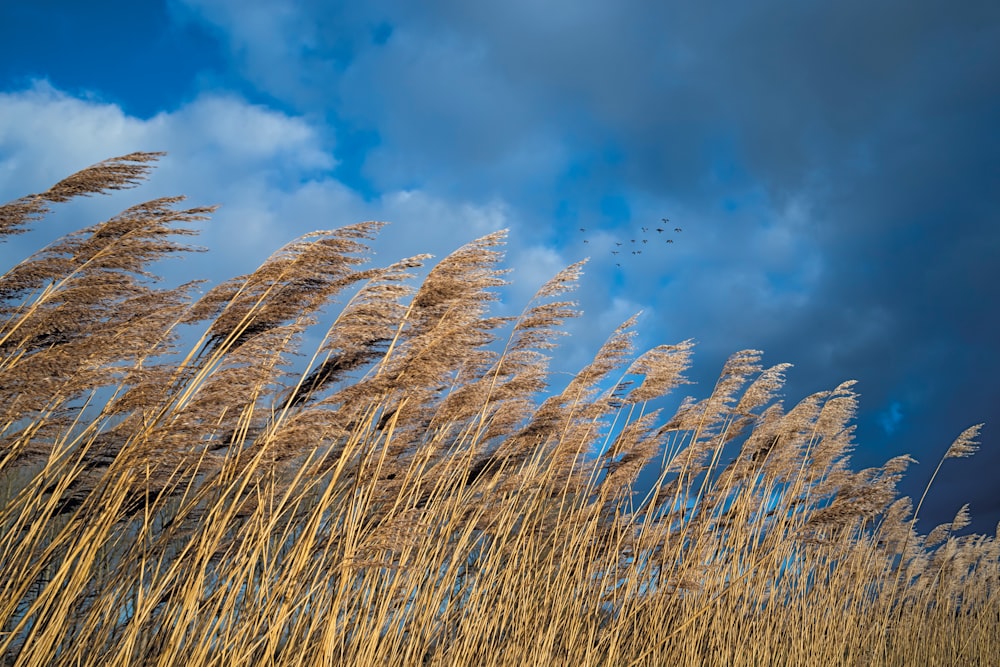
[(834, 169)]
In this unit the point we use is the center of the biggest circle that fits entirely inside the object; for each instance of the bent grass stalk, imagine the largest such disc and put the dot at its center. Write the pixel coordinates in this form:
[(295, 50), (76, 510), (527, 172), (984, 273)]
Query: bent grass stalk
[(414, 496)]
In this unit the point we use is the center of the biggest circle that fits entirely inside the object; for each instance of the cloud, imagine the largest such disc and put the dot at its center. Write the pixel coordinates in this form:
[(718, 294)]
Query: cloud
[(57, 130), (270, 171), (221, 150), (833, 166), (270, 174)]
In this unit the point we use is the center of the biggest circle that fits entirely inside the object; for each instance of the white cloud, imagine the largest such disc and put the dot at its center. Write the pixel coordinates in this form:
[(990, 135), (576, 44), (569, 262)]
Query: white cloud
[(268, 170), (242, 132), (271, 174), (46, 134), (50, 132), (448, 107)]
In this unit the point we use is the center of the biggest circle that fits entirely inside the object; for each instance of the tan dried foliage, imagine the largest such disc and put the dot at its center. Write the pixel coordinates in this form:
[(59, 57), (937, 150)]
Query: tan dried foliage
[(410, 493)]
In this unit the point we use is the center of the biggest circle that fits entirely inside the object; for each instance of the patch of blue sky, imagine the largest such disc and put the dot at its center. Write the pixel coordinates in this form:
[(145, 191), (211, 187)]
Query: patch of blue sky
[(353, 145), (589, 179), (615, 209), (891, 418), (381, 32), (787, 283), (725, 164), (111, 54), (566, 214)]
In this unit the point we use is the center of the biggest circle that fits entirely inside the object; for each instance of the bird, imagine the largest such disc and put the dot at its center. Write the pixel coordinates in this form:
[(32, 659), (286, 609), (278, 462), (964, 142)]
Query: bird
[(586, 241), (645, 240), (677, 229), (618, 242), (583, 229), (665, 219), (660, 229), (614, 252), (670, 240), (645, 229)]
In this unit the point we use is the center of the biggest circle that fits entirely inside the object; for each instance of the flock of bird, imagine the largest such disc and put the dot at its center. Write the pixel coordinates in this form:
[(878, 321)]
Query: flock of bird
[(635, 245)]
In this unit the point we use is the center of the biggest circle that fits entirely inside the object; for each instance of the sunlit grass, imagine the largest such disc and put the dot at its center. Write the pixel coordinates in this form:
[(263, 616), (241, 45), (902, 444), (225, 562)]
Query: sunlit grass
[(416, 494)]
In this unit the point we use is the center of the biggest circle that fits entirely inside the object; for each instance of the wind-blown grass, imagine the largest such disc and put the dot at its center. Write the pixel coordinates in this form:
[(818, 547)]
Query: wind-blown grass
[(416, 494)]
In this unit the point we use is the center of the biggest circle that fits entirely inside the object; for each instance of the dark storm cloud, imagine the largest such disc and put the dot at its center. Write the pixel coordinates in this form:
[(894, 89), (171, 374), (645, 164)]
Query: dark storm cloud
[(835, 165), (887, 122), (884, 118)]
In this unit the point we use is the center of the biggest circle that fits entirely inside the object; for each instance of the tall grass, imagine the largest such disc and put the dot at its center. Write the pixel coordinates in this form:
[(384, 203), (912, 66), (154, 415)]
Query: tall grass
[(417, 495)]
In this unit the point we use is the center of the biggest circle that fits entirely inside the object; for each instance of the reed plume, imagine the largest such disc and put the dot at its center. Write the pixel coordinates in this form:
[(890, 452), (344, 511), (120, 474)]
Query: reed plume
[(182, 483)]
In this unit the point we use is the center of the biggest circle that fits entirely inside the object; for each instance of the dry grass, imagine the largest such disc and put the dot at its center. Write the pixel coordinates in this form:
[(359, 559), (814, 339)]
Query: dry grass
[(414, 496)]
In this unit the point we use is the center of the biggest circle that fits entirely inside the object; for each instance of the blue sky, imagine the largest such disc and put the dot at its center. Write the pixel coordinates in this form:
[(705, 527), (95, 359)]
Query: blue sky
[(834, 168)]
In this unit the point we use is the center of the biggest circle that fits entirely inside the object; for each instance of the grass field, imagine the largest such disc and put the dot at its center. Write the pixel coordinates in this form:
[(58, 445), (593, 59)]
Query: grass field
[(412, 492)]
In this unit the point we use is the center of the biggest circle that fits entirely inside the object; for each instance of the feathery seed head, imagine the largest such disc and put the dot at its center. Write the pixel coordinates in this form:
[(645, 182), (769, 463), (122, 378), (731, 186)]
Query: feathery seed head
[(965, 445)]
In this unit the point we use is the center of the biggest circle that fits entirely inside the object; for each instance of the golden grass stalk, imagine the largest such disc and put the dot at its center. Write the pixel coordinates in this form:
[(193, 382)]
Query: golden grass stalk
[(412, 496)]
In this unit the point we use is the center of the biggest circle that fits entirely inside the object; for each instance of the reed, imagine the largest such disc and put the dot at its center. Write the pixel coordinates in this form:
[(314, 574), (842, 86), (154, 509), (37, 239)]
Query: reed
[(416, 494)]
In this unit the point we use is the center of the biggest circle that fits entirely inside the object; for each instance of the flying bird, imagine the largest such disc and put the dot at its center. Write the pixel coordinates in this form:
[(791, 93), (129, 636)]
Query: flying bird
[(660, 229), (665, 219), (677, 229), (670, 240)]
